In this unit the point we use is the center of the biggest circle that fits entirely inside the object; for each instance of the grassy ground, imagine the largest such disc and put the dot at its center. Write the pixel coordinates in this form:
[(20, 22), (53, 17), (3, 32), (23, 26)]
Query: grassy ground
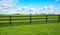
[(38, 27), (30, 29)]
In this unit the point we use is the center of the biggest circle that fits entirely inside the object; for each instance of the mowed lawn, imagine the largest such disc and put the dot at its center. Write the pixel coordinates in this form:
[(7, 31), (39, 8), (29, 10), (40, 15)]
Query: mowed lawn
[(38, 26), (30, 29)]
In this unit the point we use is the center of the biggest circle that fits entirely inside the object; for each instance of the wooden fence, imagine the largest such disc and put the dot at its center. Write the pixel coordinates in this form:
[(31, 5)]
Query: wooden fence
[(30, 18)]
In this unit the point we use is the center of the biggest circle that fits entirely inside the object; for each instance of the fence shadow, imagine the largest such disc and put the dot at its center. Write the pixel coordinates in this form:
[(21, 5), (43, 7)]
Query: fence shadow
[(21, 23)]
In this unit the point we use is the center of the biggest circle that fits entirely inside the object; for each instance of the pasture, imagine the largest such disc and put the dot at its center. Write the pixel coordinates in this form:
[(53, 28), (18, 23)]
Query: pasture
[(21, 25), (30, 29)]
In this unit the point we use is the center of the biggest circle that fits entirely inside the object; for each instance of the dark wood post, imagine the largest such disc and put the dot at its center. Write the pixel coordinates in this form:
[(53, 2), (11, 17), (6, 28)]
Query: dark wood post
[(58, 17), (10, 20), (46, 18), (30, 19)]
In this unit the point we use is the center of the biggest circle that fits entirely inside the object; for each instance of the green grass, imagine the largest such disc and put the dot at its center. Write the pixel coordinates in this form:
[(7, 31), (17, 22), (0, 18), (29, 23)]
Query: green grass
[(30, 29), (40, 27)]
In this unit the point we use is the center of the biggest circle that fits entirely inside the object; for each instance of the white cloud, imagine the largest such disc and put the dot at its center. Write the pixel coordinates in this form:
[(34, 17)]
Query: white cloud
[(51, 6), (56, 0), (24, 8), (45, 7), (19, 9), (31, 9), (8, 6)]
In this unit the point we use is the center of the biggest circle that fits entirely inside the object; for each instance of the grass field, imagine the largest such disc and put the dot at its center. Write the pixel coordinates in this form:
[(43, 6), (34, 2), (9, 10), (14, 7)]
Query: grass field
[(30, 29), (38, 27)]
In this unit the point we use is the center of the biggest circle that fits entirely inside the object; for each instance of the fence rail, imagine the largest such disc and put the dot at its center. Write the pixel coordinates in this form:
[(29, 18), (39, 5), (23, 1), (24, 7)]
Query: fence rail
[(29, 19)]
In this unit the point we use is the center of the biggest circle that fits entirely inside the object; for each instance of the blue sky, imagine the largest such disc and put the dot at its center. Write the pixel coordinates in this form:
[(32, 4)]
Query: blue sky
[(38, 3), (30, 6)]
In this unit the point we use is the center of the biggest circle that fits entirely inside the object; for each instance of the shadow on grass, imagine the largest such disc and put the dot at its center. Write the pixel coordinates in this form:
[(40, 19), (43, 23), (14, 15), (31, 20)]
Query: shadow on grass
[(13, 24), (53, 21), (27, 23)]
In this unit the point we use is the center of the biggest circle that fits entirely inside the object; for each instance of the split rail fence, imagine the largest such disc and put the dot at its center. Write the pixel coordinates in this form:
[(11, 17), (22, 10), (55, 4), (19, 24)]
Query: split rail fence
[(29, 19)]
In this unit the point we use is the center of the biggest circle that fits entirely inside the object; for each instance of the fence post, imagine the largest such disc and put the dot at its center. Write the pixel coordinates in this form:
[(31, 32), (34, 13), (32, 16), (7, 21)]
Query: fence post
[(10, 20), (58, 17), (30, 19), (46, 18)]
